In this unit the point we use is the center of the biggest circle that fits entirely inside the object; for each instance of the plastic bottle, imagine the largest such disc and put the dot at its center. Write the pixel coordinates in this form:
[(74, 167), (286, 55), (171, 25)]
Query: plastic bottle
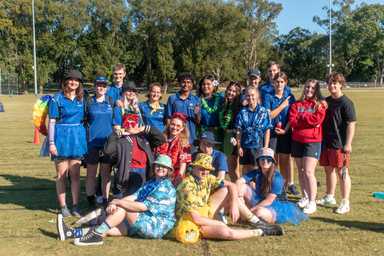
[(378, 195)]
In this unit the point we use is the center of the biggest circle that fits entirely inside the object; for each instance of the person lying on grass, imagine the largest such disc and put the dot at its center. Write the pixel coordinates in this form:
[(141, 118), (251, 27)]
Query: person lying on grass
[(202, 195), (266, 198), (148, 213)]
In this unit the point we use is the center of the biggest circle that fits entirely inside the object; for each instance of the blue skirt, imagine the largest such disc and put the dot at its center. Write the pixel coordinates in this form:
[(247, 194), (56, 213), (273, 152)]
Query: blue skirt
[(70, 140), (286, 211)]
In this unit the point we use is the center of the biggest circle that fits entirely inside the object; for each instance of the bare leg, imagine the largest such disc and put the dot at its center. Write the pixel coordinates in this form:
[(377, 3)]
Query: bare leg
[(345, 183), (265, 214), (331, 180), (302, 179), (309, 169), (105, 171), (61, 170), (74, 171), (223, 232), (234, 171), (90, 183), (218, 200)]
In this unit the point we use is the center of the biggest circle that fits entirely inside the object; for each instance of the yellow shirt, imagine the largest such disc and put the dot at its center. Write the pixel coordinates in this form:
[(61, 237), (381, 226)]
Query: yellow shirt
[(193, 193)]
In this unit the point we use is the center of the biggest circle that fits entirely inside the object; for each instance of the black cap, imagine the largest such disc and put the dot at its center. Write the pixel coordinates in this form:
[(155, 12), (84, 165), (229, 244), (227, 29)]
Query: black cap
[(73, 74), (207, 136), (129, 86)]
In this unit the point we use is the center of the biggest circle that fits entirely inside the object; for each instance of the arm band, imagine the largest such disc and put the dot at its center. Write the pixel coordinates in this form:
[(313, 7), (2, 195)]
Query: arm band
[(51, 131)]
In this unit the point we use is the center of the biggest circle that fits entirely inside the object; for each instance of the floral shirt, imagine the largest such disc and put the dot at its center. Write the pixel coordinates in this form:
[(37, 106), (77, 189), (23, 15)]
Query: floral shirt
[(193, 193)]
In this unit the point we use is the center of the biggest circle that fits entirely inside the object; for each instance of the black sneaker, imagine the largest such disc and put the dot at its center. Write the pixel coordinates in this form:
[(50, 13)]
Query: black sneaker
[(293, 190), (268, 229), (64, 231), (91, 238)]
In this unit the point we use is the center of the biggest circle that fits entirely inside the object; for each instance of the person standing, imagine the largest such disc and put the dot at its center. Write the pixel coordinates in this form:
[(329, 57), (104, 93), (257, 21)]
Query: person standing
[(115, 89), (100, 121), (186, 103), (67, 138), (152, 110), (306, 117), (339, 130)]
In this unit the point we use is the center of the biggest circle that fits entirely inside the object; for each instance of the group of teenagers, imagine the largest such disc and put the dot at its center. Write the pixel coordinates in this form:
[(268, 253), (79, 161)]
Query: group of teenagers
[(172, 160)]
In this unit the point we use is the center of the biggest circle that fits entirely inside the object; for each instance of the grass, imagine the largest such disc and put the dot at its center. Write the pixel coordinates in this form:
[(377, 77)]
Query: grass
[(28, 204)]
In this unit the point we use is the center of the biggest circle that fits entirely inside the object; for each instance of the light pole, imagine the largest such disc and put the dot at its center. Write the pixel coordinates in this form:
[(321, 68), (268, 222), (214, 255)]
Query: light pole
[(34, 46), (330, 36)]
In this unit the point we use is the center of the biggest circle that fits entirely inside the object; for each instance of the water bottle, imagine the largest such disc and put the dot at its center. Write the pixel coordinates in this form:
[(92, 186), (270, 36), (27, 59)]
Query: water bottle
[(378, 195)]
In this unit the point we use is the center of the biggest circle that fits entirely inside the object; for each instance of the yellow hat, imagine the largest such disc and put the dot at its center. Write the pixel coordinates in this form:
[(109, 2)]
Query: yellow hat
[(204, 161)]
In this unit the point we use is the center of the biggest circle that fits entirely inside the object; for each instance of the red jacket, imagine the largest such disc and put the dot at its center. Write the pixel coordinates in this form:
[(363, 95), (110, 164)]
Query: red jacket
[(306, 121)]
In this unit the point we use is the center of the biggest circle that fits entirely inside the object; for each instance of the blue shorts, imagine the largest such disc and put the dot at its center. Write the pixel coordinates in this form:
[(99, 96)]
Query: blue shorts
[(149, 226)]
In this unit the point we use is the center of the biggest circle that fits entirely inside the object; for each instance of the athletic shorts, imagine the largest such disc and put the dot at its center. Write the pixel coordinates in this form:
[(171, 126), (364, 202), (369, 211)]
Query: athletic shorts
[(281, 143), (96, 155), (334, 158), (249, 157), (312, 149)]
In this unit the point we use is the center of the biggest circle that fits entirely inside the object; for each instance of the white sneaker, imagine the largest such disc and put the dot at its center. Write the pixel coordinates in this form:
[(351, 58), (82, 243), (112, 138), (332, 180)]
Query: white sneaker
[(344, 207), (303, 202), (326, 200), (310, 207)]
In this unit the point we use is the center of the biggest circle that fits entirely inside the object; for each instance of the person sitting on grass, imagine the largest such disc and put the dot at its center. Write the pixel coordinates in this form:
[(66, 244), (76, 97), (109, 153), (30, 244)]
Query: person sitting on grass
[(202, 195), (265, 200), (148, 213)]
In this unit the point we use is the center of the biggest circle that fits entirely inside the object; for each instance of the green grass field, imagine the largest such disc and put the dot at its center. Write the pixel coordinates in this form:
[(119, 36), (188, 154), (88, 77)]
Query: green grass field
[(28, 201)]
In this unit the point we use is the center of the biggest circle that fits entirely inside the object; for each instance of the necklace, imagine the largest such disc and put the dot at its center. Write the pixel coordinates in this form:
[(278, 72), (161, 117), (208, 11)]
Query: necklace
[(215, 106), (225, 116)]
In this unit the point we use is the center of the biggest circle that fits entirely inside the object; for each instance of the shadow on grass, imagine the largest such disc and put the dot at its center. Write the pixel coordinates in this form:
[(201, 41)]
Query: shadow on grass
[(48, 233), (369, 226), (30, 192)]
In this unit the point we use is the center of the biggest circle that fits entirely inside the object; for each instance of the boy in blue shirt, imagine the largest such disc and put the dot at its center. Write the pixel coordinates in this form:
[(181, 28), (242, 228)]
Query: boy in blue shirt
[(186, 103), (268, 88), (115, 89)]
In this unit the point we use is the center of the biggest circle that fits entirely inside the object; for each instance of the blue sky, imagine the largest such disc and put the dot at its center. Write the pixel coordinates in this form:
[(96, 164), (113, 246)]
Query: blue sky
[(300, 13)]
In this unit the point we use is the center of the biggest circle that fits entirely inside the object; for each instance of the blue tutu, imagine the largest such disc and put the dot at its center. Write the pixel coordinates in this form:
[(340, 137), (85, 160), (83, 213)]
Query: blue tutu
[(286, 211), (70, 140)]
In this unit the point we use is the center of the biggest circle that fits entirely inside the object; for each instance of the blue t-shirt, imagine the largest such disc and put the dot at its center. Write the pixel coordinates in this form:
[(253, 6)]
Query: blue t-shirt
[(277, 186), (253, 125), (114, 92), (155, 119), (219, 160), (268, 88), (100, 122), (211, 119), (271, 102), (187, 107), (66, 111)]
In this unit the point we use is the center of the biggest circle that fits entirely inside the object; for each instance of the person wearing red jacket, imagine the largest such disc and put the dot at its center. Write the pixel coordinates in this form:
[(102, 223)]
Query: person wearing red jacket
[(177, 146), (306, 117)]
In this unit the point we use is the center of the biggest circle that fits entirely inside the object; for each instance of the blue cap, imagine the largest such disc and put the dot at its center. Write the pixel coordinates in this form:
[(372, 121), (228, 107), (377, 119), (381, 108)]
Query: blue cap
[(101, 80), (208, 137)]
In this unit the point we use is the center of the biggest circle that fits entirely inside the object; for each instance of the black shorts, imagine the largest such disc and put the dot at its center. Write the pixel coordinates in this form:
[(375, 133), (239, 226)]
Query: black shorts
[(306, 149), (249, 157), (96, 155), (281, 143)]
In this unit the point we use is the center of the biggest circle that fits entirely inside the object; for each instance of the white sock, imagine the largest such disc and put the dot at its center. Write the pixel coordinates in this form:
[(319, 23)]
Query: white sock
[(257, 232), (254, 219)]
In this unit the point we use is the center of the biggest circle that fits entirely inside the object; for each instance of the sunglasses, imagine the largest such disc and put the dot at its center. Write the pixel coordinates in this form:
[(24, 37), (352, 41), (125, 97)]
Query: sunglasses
[(266, 158)]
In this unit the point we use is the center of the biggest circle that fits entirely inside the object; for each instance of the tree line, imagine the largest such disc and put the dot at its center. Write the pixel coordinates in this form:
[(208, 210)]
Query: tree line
[(156, 39)]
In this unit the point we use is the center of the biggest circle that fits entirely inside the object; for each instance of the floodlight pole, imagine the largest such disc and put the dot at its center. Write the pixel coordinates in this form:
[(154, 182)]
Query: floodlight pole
[(34, 47), (330, 36)]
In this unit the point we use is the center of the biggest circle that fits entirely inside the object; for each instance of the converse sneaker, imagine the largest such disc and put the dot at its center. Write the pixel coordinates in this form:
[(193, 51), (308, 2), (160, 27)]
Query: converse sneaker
[(326, 200), (64, 231), (303, 202), (91, 238), (310, 207), (344, 207), (268, 229)]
